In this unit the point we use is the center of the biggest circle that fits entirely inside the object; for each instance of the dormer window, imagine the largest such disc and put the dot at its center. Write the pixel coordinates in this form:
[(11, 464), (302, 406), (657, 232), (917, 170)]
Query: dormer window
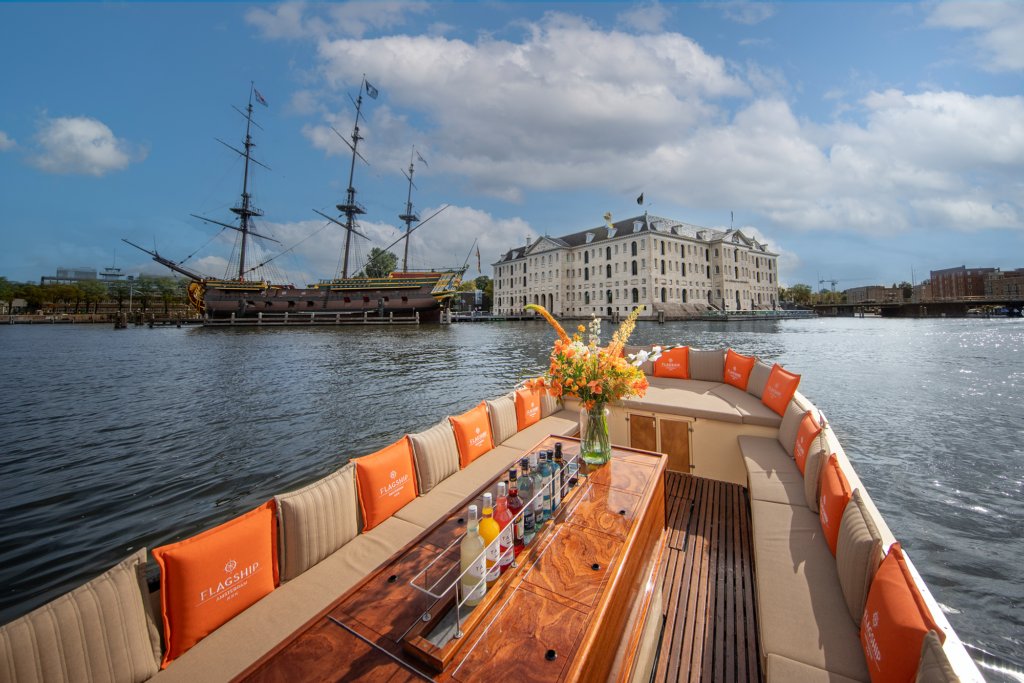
[(611, 233), (590, 237), (638, 226)]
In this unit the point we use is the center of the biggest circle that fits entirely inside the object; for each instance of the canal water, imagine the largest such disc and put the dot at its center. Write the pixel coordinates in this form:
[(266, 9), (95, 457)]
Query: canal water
[(113, 440)]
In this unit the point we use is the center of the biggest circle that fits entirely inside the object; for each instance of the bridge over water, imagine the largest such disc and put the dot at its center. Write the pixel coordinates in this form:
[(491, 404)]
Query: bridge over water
[(932, 308)]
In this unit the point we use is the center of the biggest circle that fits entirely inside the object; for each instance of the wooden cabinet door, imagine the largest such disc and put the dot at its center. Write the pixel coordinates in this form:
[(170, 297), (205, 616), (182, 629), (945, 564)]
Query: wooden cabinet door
[(642, 432), (675, 443)]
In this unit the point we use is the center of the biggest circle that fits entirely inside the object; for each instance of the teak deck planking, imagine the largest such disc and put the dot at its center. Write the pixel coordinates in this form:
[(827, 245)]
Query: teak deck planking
[(710, 629)]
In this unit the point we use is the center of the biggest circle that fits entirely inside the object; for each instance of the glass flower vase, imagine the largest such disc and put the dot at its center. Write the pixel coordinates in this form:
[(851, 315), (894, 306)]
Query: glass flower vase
[(595, 446)]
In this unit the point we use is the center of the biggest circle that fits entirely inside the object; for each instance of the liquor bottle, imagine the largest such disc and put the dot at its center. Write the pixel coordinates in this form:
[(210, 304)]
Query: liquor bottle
[(558, 475), (546, 477), (526, 493), (515, 505), (489, 531), (572, 468), (503, 518), (472, 548), (538, 488)]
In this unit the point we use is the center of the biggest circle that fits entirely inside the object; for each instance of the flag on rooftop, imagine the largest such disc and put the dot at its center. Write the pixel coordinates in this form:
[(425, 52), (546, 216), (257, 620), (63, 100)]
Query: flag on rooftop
[(371, 91), (259, 97), (640, 199)]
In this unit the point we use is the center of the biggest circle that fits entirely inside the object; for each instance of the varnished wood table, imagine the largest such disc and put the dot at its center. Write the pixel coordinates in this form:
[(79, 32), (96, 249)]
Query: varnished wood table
[(570, 609)]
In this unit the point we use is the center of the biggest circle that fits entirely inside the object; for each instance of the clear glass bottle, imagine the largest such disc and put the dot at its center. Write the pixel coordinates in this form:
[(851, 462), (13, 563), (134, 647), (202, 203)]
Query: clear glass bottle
[(558, 477), (515, 505), (546, 478), (489, 532), (472, 552), (504, 518), (526, 493), (538, 487)]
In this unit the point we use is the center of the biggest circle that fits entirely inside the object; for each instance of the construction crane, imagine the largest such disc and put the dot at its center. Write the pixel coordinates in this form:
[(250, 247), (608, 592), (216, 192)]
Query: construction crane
[(833, 282)]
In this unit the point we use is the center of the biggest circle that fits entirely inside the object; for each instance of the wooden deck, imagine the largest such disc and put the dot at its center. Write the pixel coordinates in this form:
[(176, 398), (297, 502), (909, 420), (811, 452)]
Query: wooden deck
[(710, 630)]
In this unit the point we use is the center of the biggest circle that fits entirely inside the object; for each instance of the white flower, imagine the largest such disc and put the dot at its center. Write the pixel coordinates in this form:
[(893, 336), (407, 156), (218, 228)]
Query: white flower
[(655, 353), (638, 358)]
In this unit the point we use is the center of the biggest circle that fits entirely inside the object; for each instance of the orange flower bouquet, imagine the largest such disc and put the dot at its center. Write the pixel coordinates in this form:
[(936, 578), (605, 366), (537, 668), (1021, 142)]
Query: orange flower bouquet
[(595, 375)]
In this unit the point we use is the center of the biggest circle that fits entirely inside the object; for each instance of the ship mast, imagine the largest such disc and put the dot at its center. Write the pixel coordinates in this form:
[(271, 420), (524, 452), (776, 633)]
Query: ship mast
[(246, 210), (351, 208), (409, 217)]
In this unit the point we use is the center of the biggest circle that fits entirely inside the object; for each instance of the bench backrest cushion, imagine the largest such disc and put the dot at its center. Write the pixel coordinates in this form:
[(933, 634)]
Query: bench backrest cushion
[(707, 364), (386, 481), (209, 578), (812, 474), (858, 554), (737, 369), (934, 666), (548, 403), (472, 434), (673, 363), (780, 388), (895, 621), (316, 520), (504, 422), (647, 367), (832, 499), (791, 420), (527, 409), (103, 630), (436, 454), (758, 378)]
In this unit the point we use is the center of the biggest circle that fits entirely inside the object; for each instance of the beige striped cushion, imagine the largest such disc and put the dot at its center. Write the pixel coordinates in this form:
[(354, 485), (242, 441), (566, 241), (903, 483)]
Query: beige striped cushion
[(316, 520), (436, 455), (758, 378), (934, 666), (858, 554), (817, 456), (790, 426), (707, 365), (502, 412), (101, 631), (548, 404)]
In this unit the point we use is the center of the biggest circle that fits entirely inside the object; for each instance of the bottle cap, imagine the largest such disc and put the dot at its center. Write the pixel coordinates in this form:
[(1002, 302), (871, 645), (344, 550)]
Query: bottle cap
[(502, 489), (473, 513), (488, 501)]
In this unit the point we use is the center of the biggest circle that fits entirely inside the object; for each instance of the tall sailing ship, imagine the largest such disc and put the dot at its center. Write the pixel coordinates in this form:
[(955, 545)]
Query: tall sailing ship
[(248, 290)]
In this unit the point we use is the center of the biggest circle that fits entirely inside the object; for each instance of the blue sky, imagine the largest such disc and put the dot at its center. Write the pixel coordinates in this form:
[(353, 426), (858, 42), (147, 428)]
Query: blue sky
[(861, 140)]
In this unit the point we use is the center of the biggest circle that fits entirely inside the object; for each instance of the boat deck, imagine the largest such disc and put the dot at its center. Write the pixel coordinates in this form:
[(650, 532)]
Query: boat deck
[(710, 628)]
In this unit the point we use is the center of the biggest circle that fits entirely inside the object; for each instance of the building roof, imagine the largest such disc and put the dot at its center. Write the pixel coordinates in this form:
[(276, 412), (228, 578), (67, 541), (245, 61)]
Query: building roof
[(631, 226)]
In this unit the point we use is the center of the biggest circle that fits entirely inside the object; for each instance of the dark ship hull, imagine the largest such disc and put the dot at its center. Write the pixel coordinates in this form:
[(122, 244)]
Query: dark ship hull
[(400, 294)]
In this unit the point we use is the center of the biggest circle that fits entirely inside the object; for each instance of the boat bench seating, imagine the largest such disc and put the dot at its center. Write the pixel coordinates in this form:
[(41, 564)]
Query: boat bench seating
[(234, 646)]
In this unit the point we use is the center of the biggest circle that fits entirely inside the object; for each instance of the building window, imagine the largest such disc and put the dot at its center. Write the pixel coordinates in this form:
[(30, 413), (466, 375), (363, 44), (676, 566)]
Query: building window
[(682, 294), (664, 295), (634, 250), (586, 297), (634, 268), (609, 296), (586, 257), (663, 247), (636, 295), (586, 273), (608, 253), (663, 267), (608, 270)]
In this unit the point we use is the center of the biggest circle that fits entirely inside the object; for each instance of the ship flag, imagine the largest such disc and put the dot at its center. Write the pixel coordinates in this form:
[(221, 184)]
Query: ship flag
[(478, 268), (259, 97), (640, 199), (420, 157), (371, 91)]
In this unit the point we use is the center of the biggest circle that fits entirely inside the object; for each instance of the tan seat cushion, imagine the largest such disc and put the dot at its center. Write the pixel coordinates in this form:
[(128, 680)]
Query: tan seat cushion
[(784, 670), (801, 609), (436, 455), (687, 398), (230, 649), (562, 423), (502, 412), (103, 630), (771, 474), (758, 378), (707, 365), (858, 554), (750, 408), (426, 510), (316, 520), (790, 426), (934, 666), (465, 483)]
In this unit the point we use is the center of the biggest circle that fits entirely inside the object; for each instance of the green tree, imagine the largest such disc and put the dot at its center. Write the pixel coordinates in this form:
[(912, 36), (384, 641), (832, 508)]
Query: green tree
[(93, 292), (145, 288), (908, 290), (7, 293), (380, 263), (800, 294), (170, 290), (119, 293)]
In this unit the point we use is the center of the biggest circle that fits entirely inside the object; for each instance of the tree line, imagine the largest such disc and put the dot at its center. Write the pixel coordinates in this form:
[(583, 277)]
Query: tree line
[(87, 296)]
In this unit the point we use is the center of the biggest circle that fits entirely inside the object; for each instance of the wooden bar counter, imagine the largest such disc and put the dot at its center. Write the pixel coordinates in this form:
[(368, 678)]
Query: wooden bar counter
[(571, 609)]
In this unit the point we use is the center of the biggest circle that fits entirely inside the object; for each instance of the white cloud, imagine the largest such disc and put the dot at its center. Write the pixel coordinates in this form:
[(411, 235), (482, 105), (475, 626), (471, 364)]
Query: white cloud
[(744, 12), (997, 29), (82, 145), (293, 20), (6, 142), (647, 18)]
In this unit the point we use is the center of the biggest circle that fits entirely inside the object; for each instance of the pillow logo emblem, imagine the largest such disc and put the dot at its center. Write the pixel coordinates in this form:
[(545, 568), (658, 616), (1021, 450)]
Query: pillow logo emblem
[(874, 619), (477, 430), (230, 566), (393, 474)]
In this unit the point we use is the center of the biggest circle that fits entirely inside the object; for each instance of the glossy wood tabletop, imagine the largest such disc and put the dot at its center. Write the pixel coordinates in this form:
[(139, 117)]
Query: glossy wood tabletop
[(559, 614)]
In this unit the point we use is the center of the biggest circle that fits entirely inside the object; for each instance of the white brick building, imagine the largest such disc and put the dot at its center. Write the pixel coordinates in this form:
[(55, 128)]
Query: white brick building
[(667, 265)]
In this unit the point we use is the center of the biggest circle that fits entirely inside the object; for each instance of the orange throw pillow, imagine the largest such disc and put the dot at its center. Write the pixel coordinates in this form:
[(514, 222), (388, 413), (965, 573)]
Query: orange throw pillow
[(472, 434), (835, 494), (895, 622), (737, 369), (209, 578), (674, 363), (780, 388), (386, 481), (807, 432), (527, 407)]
